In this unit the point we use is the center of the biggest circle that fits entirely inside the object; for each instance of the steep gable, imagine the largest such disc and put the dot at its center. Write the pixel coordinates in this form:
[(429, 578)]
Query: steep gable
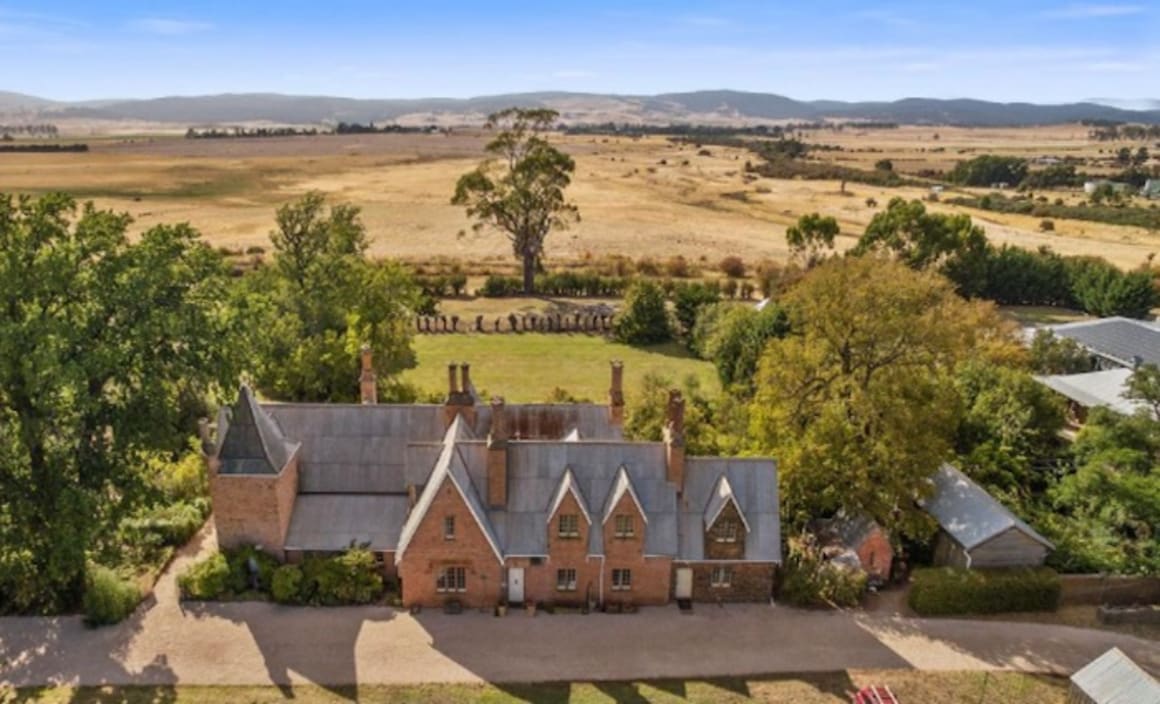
[(252, 443), (568, 487), (721, 498), (622, 487)]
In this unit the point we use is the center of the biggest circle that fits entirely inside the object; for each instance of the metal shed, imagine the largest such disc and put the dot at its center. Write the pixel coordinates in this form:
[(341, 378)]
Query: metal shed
[(977, 530), (1113, 678)]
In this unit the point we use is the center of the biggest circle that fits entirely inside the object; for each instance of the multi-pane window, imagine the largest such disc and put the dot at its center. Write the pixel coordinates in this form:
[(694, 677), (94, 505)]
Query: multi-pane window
[(726, 531), (624, 526), (566, 580), (451, 579), (721, 577), (621, 580), (449, 528), (569, 525)]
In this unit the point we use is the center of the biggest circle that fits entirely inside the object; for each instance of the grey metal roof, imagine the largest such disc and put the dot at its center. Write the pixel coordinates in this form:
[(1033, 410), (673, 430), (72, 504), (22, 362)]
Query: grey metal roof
[(350, 448), (334, 521), (535, 470), (968, 513), (721, 497), (1121, 340), (451, 467), (1113, 678), (252, 443), (552, 421), (753, 483), (1103, 388)]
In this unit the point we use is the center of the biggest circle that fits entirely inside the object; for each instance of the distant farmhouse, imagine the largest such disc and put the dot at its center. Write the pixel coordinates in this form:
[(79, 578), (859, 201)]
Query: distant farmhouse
[(489, 503)]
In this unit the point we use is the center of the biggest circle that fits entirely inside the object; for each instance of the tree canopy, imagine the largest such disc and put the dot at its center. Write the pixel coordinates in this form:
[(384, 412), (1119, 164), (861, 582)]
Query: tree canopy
[(519, 189), (104, 342), (906, 231), (811, 236)]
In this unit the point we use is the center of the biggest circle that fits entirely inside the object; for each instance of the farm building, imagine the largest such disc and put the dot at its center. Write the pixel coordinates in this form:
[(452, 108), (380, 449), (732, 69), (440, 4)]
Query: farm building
[(976, 530), (1115, 342), (1113, 678), (1093, 389), (859, 542)]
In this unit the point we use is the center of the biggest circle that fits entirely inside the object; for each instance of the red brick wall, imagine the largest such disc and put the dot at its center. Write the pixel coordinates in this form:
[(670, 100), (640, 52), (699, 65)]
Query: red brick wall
[(428, 552), (876, 555), (254, 508), (651, 577), (735, 550), (563, 553)]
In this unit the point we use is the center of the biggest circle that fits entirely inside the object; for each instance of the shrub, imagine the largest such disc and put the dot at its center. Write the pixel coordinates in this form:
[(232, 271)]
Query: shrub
[(108, 598), (350, 578), (1047, 225), (239, 563), (183, 479), (678, 267), (205, 580), (733, 267), (689, 298), (500, 286), (458, 284), (809, 580), (644, 320), (647, 266), (286, 585), (945, 591), (166, 525), (729, 288)]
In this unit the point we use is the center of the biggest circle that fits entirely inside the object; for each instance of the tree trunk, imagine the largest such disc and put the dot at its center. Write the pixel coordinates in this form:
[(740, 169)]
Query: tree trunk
[(529, 273)]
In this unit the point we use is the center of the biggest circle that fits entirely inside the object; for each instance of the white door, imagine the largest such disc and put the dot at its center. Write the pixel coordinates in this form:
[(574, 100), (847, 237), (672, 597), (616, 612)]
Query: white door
[(516, 585), (684, 582)]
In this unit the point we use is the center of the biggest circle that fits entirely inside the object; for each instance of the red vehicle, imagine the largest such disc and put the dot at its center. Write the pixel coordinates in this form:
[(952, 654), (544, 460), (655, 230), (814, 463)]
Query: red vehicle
[(875, 695)]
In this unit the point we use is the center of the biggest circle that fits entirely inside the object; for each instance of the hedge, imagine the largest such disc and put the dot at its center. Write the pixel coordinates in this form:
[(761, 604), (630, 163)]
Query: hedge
[(205, 580), (286, 586), (943, 591), (108, 598)]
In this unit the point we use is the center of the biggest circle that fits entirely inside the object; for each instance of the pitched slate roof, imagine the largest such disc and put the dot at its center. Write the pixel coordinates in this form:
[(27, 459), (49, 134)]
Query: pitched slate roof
[(251, 442), (721, 497), (1113, 678), (568, 486), (1121, 340), (968, 513), (450, 467), (333, 521), (1103, 388), (552, 421), (753, 483)]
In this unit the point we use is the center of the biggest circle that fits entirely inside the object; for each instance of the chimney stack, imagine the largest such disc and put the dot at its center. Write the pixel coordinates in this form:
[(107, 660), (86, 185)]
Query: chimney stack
[(452, 381), (674, 435), (460, 397), (497, 442), (616, 394), (367, 381), (465, 375)]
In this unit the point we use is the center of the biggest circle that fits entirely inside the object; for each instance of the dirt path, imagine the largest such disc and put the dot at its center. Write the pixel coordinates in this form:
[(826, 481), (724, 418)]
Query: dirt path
[(257, 643)]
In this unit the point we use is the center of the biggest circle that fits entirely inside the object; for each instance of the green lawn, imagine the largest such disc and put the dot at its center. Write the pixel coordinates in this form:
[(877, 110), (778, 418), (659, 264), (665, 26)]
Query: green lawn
[(911, 687), (525, 368)]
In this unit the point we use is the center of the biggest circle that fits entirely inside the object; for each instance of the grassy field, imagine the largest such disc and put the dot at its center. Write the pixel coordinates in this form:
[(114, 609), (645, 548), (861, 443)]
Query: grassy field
[(529, 367), (637, 197), (814, 688)]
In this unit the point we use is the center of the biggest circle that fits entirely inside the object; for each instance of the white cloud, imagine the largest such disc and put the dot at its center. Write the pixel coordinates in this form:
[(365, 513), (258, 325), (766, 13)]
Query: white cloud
[(1093, 10), (169, 27)]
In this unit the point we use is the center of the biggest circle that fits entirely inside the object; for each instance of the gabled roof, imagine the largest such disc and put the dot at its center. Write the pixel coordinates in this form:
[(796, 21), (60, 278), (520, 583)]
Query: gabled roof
[(449, 468), (621, 485), (252, 443), (753, 484), (1103, 388), (968, 513), (1121, 340), (568, 486), (1113, 678), (721, 497)]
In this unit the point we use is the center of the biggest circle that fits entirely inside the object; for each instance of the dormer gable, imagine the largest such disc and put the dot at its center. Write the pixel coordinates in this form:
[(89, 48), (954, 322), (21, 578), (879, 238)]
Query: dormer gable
[(622, 487), (568, 487), (723, 497), (726, 527)]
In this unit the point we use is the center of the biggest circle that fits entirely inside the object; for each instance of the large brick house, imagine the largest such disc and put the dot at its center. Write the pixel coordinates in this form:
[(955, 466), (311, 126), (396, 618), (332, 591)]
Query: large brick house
[(490, 503)]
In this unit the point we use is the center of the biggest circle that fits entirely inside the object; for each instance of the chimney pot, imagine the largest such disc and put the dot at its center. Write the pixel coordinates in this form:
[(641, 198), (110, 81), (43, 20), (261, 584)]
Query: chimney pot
[(367, 380), (452, 380), (465, 372)]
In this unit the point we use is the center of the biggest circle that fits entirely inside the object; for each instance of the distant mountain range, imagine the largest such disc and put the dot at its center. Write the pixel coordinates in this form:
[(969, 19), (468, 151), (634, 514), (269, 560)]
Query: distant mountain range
[(708, 107)]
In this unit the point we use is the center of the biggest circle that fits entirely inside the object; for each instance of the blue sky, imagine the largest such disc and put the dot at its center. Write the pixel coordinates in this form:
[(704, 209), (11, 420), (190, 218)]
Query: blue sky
[(1040, 50)]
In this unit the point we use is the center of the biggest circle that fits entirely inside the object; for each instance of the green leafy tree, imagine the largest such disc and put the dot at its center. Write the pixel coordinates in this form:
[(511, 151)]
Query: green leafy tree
[(321, 301), (811, 236), (856, 403), (922, 240), (520, 188), (1058, 355), (644, 320), (100, 339), (989, 169), (1144, 386), (645, 419), (733, 338)]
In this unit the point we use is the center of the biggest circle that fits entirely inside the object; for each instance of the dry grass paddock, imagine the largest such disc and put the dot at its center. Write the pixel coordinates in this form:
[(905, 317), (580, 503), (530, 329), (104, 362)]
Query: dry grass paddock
[(637, 197)]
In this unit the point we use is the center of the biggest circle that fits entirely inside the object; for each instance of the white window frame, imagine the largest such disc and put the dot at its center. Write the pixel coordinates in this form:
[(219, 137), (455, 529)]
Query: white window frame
[(566, 579), (573, 529), (721, 578), (451, 580), (621, 580), (449, 527), (625, 526), (727, 531)]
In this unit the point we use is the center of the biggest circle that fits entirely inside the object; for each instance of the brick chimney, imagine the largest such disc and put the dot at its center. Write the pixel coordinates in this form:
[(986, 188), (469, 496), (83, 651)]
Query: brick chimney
[(497, 443), (674, 435), (616, 395), (412, 497), (368, 386), (460, 399)]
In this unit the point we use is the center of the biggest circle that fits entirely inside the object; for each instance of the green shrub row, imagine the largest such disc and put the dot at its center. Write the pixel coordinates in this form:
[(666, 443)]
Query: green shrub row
[(942, 591), (349, 578), (171, 525), (1148, 218), (108, 598), (564, 283)]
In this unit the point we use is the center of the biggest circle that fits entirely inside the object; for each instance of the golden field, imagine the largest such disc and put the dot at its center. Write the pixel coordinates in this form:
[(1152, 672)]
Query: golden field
[(637, 197)]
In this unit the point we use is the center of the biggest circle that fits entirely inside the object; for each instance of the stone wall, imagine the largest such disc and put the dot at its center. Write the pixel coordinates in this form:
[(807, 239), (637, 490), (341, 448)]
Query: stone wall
[(716, 548), (751, 581), (428, 552)]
